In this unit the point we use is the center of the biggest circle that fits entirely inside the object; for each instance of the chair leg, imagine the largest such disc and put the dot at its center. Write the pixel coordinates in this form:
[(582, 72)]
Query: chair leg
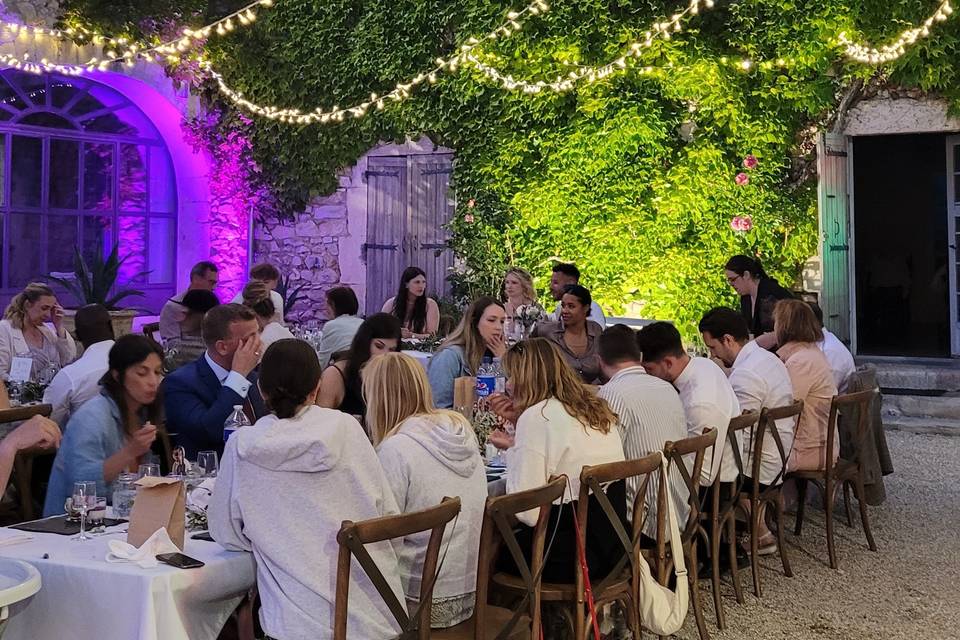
[(801, 505), (860, 493), (781, 539), (828, 502), (715, 579), (695, 593), (732, 547), (846, 504), (755, 548), (633, 619)]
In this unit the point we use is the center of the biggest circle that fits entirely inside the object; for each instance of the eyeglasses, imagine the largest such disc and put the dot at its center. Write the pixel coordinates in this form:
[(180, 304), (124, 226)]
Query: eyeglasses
[(734, 279)]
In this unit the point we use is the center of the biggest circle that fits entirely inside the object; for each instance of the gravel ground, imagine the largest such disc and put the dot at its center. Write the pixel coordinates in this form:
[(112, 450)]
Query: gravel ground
[(906, 590)]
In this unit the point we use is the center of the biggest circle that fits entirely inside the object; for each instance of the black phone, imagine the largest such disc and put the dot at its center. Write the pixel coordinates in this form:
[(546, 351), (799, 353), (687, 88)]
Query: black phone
[(179, 561), (203, 535)]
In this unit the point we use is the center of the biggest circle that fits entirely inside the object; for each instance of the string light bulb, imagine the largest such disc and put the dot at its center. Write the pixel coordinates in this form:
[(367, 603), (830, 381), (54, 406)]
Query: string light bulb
[(890, 52)]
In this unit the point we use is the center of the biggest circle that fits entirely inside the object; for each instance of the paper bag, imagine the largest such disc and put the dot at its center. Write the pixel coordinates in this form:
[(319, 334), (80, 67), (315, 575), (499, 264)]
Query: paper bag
[(464, 395), (159, 503)]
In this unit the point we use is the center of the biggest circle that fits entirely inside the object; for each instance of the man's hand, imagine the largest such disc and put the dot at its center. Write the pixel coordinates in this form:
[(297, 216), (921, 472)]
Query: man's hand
[(247, 356), (36, 432)]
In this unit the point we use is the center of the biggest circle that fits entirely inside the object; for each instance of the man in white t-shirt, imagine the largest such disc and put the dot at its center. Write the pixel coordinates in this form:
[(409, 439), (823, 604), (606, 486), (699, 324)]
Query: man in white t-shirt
[(838, 356), (564, 275), (270, 276)]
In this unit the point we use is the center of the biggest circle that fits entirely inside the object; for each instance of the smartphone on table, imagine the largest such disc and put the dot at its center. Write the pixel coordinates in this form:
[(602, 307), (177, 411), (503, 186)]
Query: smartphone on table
[(179, 560)]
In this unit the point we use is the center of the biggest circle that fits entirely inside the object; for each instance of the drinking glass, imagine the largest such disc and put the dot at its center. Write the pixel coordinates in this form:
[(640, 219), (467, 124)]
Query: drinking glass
[(84, 499), (150, 469), (15, 391), (208, 463)]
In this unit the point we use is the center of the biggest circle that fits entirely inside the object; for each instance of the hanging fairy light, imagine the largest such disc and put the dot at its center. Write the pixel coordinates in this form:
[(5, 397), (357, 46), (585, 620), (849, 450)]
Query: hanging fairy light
[(890, 52)]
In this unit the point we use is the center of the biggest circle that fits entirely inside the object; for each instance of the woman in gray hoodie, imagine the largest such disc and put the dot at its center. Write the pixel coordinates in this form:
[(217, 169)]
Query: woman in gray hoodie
[(428, 454), (285, 486)]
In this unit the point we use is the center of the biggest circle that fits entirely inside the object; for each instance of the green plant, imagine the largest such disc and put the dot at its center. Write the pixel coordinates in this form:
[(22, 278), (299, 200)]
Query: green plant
[(93, 282), (290, 296)]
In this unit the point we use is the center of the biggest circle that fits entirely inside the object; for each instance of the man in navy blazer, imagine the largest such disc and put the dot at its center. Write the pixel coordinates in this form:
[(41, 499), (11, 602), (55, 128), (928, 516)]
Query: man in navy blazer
[(200, 396)]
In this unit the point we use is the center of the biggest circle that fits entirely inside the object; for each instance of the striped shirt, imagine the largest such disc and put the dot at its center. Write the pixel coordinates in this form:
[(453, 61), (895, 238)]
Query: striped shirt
[(650, 414)]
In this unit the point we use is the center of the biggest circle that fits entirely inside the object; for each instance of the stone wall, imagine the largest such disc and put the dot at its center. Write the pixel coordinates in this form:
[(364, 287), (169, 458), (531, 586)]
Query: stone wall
[(38, 12)]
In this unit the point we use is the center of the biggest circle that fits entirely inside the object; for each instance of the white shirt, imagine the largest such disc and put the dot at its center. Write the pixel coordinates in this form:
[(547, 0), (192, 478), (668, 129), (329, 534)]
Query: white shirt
[(230, 379), (760, 380), (596, 314), (839, 358), (78, 382), (275, 298), (551, 442), (337, 336), (709, 402), (651, 415), (273, 332)]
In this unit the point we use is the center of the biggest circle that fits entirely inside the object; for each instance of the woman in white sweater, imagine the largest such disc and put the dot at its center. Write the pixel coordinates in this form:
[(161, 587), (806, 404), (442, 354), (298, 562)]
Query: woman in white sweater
[(428, 454), (285, 486), (24, 334), (561, 427)]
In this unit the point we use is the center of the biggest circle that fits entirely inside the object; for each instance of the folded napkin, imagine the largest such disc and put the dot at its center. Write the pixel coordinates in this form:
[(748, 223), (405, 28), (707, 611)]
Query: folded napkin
[(199, 498), (8, 537), (146, 556)]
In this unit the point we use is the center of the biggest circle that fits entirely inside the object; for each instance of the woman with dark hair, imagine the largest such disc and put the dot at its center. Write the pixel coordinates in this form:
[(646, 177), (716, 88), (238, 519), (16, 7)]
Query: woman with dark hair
[(419, 314), (342, 323), (340, 386), (479, 334), (113, 431), (758, 293), (24, 333), (575, 335), (189, 345), (299, 460)]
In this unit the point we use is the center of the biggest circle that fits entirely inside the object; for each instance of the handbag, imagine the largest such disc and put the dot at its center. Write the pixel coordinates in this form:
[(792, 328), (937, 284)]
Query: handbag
[(663, 611)]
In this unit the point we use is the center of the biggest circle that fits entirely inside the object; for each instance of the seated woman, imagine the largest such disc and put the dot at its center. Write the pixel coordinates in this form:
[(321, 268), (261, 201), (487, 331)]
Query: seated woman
[(759, 294), (517, 292), (342, 307), (428, 454), (575, 336), (340, 386), (561, 427), (113, 431), (797, 331), (189, 345), (23, 333), (419, 314), (285, 486), (480, 333), (256, 295)]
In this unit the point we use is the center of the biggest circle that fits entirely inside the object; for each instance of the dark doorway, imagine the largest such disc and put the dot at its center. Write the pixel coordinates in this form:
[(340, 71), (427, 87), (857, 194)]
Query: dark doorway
[(900, 230)]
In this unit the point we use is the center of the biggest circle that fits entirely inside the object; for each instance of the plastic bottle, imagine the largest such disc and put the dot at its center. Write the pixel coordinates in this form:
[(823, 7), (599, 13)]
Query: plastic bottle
[(236, 420), (501, 378), (486, 378)]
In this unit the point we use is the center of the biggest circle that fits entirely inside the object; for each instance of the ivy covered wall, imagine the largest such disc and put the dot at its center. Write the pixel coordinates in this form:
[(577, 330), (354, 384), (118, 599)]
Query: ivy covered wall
[(634, 177)]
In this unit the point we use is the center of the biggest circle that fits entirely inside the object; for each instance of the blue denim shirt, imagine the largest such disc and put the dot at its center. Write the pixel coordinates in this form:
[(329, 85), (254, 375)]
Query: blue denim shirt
[(93, 434), (445, 367)]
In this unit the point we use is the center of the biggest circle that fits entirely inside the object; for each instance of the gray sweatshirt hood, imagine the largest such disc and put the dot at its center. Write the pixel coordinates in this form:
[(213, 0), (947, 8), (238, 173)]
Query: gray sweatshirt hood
[(295, 444), (452, 442)]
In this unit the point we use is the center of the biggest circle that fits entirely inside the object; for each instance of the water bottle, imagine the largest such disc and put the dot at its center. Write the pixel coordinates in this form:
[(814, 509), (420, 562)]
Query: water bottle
[(486, 379), (501, 378), (236, 420)]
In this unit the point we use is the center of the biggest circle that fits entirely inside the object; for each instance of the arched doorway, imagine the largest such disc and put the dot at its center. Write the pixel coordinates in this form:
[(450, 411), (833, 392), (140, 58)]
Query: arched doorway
[(82, 166)]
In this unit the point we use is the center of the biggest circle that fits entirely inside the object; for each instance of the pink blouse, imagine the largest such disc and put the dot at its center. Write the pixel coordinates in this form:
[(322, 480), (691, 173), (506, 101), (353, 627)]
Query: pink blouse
[(813, 383)]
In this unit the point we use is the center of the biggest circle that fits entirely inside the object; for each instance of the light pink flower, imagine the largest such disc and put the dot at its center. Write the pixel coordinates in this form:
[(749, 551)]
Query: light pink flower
[(746, 223), (471, 203), (742, 179), (468, 218), (750, 162)]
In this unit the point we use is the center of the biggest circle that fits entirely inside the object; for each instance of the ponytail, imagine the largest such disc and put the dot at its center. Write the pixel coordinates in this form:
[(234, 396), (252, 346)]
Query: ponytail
[(16, 311), (742, 264)]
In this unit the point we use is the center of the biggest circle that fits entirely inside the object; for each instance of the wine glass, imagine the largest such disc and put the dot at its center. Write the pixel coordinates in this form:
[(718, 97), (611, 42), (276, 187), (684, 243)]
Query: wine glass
[(208, 463), (149, 469), (84, 498)]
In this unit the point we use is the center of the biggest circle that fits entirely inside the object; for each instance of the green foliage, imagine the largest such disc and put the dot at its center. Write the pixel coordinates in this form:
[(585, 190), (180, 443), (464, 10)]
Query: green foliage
[(291, 295), (93, 282), (601, 175)]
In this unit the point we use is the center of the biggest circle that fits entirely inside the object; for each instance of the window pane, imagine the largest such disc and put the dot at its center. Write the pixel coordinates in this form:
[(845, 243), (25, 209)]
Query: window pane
[(47, 119), (97, 229), (25, 256), (26, 174), (161, 250), (64, 173), (162, 195), (98, 177), (132, 234), (61, 239), (133, 177)]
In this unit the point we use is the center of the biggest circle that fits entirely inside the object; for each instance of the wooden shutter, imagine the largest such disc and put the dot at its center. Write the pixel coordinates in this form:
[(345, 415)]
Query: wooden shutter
[(386, 225), (834, 205), (430, 212)]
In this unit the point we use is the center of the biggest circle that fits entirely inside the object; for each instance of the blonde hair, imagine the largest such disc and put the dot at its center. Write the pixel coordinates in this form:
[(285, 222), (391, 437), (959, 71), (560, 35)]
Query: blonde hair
[(17, 309), (467, 336), (526, 283), (395, 387), (539, 372), (794, 321), (256, 295)]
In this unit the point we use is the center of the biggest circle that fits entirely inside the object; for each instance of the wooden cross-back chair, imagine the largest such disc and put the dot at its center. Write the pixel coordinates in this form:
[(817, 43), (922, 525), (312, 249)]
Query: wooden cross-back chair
[(842, 473), (675, 452), (352, 538), (771, 496), (23, 463), (523, 621)]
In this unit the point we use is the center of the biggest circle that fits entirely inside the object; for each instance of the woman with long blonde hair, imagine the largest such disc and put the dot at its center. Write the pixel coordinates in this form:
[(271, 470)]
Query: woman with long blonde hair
[(24, 333), (426, 454), (561, 427), (517, 290)]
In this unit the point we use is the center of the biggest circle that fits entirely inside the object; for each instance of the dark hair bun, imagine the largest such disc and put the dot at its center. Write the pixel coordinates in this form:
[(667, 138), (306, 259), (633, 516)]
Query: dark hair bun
[(289, 373)]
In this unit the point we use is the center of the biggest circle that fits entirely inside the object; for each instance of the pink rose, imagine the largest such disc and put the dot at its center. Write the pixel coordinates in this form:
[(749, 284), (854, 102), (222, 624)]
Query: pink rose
[(750, 162), (746, 223), (742, 179), (468, 218), (471, 203)]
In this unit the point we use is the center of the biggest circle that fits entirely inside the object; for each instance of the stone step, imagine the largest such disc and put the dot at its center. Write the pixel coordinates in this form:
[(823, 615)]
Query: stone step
[(927, 426), (940, 407), (942, 375)]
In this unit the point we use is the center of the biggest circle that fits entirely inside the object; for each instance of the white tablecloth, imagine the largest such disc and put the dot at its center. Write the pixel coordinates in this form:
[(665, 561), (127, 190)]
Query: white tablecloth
[(85, 597), (421, 356)]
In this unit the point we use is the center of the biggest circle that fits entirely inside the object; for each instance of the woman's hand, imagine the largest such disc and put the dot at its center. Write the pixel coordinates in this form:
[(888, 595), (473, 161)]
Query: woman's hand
[(503, 407), (500, 439), (56, 317), (497, 345), (139, 443), (406, 334)]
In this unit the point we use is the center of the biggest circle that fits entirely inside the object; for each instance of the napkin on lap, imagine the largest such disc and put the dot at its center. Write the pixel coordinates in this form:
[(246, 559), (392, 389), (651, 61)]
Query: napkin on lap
[(146, 556)]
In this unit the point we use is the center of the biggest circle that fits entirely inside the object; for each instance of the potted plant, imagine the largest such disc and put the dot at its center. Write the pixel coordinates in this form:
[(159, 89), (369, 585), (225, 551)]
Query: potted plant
[(93, 282)]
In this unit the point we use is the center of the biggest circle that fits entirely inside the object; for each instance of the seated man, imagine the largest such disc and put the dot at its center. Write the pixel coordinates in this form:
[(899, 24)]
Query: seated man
[(651, 414), (841, 362), (563, 276), (189, 345), (204, 275), (200, 396), (270, 276), (78, 382)]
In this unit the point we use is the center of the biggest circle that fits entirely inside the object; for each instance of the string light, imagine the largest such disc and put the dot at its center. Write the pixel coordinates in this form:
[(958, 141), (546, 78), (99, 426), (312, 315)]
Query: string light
[(890, 52), (514, 22), (561, 84)]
